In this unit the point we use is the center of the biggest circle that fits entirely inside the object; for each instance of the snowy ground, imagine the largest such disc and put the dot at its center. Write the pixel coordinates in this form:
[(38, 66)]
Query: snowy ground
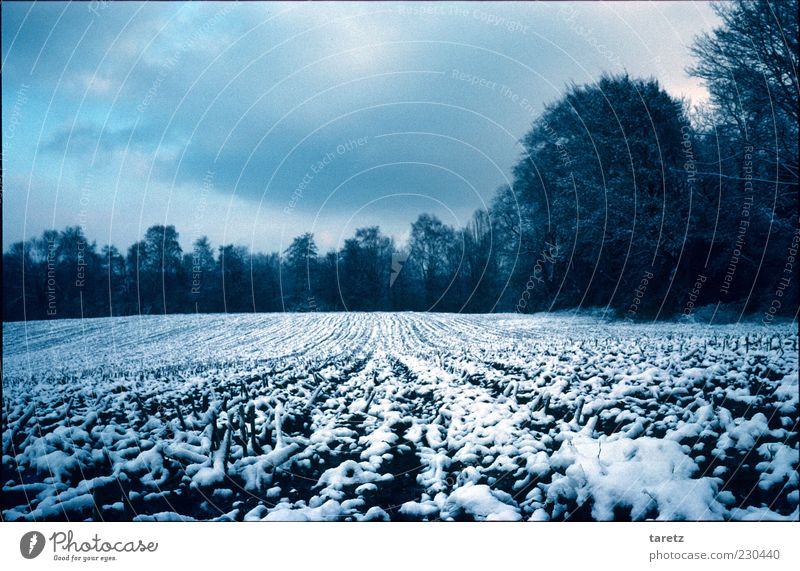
[(397, 416)]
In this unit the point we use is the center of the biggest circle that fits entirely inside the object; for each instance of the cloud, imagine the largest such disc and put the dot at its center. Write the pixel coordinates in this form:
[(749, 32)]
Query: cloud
[(82, 139), (156, 95)]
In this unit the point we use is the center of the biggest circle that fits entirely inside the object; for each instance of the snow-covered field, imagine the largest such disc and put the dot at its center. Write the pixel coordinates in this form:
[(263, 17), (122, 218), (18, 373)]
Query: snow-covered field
[(397, 416)]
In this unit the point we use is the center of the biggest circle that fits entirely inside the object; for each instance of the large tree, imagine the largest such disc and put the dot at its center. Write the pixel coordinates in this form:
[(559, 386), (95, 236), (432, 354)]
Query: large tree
[(605, 198), (365, 270), (434, 258), (203, 281), (114, 279), (155, 269), (234, 270), (299, 274), (749, 64), (750, 134)]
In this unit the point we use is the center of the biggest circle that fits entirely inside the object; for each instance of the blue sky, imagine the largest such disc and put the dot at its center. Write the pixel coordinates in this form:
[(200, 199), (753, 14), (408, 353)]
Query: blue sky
[(252, 123)]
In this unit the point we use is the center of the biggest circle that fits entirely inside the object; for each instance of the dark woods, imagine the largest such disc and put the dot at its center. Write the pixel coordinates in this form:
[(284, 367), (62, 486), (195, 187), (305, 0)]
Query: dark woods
[(622, 198)]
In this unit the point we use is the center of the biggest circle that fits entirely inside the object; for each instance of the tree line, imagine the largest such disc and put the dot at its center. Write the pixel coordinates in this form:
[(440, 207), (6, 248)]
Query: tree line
[(623, 198), (63, 274)]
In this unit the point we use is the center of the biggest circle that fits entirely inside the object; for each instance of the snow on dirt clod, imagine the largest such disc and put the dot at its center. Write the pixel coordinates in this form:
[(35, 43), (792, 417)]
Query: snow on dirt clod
[(397, 417)]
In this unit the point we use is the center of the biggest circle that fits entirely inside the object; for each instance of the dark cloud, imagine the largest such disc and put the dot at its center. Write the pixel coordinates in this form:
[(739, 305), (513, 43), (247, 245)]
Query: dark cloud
[(154, 96)]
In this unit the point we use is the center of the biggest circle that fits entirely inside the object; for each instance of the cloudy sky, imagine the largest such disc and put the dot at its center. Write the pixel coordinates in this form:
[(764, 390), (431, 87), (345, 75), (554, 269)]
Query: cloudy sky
[(251, 123)]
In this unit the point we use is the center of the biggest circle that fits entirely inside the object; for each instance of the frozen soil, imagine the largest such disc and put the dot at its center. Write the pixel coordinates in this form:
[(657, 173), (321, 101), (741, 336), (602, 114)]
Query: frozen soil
[(397, 417)]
